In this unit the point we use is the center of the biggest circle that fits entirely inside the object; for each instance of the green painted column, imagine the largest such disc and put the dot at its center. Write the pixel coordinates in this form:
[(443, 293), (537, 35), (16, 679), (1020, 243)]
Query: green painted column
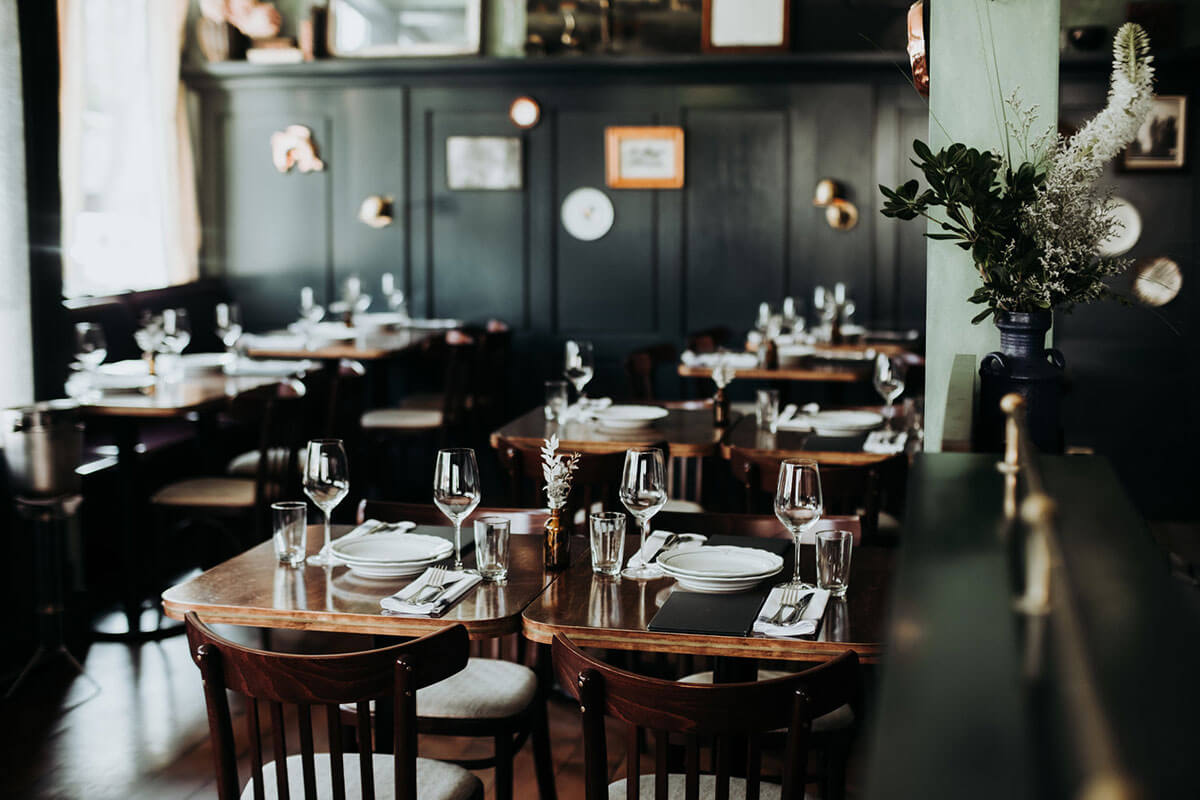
[(980, 50)]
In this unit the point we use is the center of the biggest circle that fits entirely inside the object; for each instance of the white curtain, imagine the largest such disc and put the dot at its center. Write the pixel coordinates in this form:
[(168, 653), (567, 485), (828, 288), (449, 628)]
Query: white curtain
[(128, 183), (16, 355)]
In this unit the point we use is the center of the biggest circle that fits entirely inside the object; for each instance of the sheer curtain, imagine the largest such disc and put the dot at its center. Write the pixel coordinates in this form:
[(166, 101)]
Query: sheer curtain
[(16, 356), (128, 184)]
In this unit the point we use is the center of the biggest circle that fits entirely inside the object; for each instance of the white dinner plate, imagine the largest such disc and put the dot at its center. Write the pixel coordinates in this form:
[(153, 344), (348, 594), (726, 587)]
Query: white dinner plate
[(630, 417), (202, 363), (401, 569), (335, 330), (435, 324), (722, 563), (391, 548), (133, 366), (844, 423)]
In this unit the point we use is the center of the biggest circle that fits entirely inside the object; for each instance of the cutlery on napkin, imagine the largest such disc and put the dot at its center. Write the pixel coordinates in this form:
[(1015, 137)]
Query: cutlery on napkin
[(786, 415), (375, 526), (807, 622), (656, 543), (885, 443), (401, 602), (799, 420)]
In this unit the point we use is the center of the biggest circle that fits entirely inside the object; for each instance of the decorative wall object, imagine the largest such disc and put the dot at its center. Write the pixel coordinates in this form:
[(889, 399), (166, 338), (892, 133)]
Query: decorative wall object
[(1160, 140), (524, 112), (483, 162), (404, 28), (918, 50), (1156, 281), (294, 147), (745, 26), (840, 213), (376, 211), (644, 157), (587, 214)]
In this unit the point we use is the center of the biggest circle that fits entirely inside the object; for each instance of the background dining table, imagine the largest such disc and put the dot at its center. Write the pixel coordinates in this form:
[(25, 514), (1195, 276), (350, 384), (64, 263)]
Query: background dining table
[(688, 431), (368, 344), (758, 443)]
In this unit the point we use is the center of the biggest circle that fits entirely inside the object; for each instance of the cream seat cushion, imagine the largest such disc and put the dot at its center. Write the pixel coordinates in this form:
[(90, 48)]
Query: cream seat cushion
[(687, 506), (839, 719), (207, 493), (436, 780), (246, 464), (401, 419), (708, 788), (487, 688)]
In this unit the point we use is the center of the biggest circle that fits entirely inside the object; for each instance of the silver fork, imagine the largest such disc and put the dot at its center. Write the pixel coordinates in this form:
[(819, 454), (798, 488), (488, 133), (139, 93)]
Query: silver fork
[(435, 584), (787, 602)]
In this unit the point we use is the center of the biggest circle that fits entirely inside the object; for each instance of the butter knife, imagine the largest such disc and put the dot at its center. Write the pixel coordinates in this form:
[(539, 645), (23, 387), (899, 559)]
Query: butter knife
[(668, 543)]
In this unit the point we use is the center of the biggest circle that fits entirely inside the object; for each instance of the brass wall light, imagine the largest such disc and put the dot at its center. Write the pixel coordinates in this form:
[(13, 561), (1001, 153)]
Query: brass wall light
[(840, 213), (524, 112)]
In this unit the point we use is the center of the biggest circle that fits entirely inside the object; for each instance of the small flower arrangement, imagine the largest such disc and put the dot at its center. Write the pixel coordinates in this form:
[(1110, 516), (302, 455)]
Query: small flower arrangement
[(558, 468), (1034, 228), (722, 373)]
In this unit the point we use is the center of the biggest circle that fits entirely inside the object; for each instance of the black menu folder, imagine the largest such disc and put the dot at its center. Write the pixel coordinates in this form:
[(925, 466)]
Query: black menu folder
[(714, 614)]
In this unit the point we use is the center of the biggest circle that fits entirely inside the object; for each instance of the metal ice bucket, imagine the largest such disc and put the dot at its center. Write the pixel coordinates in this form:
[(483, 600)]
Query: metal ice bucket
[(43, 445)]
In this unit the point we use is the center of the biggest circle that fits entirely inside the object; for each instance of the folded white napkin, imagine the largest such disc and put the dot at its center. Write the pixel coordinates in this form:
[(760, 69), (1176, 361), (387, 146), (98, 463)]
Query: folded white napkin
[(786, 415), (586, 410), (735, 360), (655, 541), (805, 625), (264, 368), (800, 420), (398, 603), (885, 443), (280, 341), (375, 526)]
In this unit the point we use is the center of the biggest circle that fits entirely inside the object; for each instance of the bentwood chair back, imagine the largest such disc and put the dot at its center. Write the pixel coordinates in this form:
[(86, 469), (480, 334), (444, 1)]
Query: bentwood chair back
[(641, 366), (271, 681), (759, 525), (597, 478), (734, 719), (708, 340)]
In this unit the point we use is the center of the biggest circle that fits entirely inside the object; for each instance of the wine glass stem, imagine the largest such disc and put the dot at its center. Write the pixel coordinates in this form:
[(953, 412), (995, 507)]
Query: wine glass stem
[(458, 565), (645, 532), (325, 549), (796, 569)]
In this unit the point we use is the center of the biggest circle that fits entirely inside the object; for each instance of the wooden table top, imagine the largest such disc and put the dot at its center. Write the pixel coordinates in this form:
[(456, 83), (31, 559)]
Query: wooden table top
[(816, 370), (252, 589), (745, 435), (373, 344), (172, 399), (689, 432), (598, 611)]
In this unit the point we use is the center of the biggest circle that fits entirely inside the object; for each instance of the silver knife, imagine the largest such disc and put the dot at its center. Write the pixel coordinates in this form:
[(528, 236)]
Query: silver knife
[(800, 608)]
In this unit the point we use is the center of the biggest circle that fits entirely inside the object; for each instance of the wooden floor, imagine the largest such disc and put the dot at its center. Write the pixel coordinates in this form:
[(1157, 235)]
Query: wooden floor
[(135, 729)]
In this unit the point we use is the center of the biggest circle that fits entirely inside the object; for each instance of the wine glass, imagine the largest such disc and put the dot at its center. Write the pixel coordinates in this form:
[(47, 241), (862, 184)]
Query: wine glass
[(356, 301), (229, 325), (798, 505), (310, 312), (889, 382), (326, 482), (644, 493), (395, 299), (177, 330), (579, 366), (90, 347), (456, 490)]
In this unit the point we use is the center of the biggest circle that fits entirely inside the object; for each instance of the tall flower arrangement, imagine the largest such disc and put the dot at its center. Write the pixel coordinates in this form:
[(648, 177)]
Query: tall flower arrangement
[(557, 469), (1034, 229)]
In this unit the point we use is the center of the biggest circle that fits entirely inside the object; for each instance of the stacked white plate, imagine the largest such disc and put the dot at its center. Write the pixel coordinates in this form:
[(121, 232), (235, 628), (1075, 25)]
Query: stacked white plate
[(391, 555), (629, 418), (844, 423), (722, 569)]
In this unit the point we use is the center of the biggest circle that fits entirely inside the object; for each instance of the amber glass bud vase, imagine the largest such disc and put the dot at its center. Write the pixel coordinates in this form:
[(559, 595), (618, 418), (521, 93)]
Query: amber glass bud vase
[(720, 409), (554, 546)]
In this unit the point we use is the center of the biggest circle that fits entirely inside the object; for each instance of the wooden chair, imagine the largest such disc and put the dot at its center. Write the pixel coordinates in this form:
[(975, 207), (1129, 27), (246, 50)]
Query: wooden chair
[(596, 480), (443, 410), (846, 489), (708, 340), (641, 366), (490, 697), (734, 717), (396, 674)]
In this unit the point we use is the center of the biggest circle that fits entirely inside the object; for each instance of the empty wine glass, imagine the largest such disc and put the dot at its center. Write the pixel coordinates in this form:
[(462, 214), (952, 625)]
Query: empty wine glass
[(149, 336), (798, 505), (229, 325), (579, 366), (90, 347), (644, 493), (326, 482), (456, 490), (177, 330), (889, 382), (356, 301), (310, 312)]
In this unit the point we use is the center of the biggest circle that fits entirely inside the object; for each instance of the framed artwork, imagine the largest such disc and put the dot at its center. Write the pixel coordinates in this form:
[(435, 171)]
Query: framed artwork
[(1160, 140), (483, 162), (644, 157), (745, 26), (372, 28)]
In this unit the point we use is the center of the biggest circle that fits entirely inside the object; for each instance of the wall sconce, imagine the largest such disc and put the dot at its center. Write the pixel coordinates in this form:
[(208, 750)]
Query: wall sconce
[(1156, 281), (376, 211), (840, 213), (524, 112), (294, 147)]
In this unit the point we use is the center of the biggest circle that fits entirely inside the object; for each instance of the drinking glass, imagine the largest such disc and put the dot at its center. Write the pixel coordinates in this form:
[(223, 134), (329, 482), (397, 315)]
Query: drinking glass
[(644, 493), (326, 482), (556, 400), (177, 330), (798, 504), (289, 526), (229, 325), (90, 347), (833, 561), (491, 547), (607, 529), (766, 409), (394, 298), (456, 490), (580, 365), (356, 301), (310, 312), (889, 382)]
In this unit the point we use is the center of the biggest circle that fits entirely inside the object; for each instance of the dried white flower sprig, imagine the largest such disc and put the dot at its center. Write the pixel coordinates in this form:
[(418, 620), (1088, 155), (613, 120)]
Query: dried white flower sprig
[(722, 372), (557, 469)]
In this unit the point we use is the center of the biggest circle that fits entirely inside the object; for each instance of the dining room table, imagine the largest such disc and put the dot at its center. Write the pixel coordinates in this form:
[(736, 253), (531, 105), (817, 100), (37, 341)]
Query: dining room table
[(759, 443)]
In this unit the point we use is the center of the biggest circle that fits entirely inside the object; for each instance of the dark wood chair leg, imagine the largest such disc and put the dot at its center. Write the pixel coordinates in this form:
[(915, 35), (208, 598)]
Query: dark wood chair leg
[(504, 765), (542, 762), (835, 769)]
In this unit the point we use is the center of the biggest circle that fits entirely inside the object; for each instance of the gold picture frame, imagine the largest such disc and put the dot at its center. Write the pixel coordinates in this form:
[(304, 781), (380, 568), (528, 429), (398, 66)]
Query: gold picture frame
[(644, 157), (1161, 141)]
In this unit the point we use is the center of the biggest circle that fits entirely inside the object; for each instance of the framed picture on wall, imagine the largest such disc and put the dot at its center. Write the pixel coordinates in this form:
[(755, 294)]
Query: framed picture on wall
[(483, 162), (360, 29), (644, 157), (1160, 141), (745, 26)]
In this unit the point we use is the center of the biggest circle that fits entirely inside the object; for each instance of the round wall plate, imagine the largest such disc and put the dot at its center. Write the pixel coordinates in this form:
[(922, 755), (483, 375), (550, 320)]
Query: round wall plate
[(587, 214)]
